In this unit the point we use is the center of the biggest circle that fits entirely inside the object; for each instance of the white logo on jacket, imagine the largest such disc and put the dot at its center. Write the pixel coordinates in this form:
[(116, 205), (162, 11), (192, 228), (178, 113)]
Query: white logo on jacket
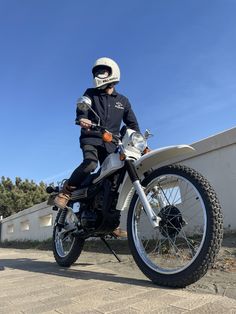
[(119, 105)]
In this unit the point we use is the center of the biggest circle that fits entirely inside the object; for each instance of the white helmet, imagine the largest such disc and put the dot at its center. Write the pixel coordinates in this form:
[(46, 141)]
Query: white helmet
[(105, 71)]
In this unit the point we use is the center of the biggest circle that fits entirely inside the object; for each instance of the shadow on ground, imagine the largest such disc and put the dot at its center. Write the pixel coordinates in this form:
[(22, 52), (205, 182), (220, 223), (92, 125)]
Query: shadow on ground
[(51, 268)]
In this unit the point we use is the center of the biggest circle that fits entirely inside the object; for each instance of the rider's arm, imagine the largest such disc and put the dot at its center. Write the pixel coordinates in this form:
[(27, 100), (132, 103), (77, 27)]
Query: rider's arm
[(82, 116), (129, 117)]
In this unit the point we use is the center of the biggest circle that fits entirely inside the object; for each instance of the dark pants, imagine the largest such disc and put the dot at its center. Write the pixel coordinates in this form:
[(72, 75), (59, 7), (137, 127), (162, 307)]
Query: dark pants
[(92, 154)]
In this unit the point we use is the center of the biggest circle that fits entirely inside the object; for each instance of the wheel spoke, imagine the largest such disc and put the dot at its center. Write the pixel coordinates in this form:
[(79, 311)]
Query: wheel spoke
[(178, 203), (63, 239)]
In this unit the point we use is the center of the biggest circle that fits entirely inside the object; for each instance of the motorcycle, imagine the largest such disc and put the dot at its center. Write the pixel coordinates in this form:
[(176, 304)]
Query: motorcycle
[(174, 220)]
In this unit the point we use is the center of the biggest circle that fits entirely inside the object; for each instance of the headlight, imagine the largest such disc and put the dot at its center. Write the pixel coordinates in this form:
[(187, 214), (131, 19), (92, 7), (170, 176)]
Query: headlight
[(138, 141)]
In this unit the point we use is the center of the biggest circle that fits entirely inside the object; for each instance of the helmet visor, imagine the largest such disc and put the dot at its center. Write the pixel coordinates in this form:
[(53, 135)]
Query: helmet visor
[(101, 71)]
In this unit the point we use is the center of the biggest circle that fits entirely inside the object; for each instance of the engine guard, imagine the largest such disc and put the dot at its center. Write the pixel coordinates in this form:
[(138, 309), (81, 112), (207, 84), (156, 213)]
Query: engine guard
[(109, 222)]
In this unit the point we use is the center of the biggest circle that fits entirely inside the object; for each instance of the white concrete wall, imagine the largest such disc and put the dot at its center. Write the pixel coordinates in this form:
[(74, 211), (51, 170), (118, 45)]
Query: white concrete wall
[(215, 158), (33, 223)]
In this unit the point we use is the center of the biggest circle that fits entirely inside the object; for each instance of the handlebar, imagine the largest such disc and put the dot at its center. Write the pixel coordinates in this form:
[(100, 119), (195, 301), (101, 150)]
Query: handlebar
[(102, 129), (93, 125)]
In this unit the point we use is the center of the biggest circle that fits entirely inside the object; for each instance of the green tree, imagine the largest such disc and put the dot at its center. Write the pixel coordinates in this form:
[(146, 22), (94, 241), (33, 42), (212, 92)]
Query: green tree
[(20, 195)]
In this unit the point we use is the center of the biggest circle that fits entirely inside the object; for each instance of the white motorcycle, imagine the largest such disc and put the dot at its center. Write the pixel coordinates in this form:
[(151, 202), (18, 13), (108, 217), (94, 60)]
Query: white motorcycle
[(174, 220)]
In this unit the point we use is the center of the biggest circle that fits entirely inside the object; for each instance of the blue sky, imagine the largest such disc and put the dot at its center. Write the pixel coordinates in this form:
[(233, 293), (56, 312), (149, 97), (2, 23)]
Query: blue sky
[(178, 69)]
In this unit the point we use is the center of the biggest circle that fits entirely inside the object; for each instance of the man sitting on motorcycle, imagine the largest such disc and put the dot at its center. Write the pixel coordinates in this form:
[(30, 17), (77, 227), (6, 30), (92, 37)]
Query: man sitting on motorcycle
[(112, 108)]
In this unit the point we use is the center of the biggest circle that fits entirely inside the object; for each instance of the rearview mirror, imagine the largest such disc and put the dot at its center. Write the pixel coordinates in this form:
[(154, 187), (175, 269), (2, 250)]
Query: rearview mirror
[(147, 134), (84, 103)]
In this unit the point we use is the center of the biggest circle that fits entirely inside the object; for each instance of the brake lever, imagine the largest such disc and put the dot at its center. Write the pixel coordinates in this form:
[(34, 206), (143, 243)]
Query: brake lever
[(98, 127)]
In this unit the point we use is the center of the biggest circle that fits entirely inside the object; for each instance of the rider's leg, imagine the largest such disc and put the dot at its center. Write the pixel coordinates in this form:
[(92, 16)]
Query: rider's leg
[(88, 165), (102, 154)]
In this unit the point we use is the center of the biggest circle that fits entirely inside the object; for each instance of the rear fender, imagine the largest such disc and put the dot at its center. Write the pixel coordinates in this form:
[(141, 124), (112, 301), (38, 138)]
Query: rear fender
[(153, 160)]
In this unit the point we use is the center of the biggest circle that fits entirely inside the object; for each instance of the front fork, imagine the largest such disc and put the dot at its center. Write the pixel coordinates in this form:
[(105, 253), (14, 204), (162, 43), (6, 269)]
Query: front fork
[(153, 218)]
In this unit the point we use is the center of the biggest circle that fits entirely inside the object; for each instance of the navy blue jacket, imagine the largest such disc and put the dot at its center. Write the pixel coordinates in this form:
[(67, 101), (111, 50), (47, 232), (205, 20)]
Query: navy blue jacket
[(112, 110)]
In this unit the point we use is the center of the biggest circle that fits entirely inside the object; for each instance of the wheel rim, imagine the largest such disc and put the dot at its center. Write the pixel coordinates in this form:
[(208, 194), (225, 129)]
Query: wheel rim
[(64, 240), (177, 242)]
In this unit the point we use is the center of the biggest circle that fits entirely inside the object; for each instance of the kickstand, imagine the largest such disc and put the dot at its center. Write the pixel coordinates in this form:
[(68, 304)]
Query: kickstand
[(110, 249)]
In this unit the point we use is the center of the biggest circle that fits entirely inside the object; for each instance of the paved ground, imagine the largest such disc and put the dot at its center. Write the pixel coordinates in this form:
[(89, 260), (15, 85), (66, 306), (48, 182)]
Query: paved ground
[(33, 283)]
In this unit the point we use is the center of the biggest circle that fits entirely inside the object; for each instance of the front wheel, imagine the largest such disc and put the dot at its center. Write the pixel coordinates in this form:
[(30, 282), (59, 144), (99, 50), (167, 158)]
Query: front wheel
[(183, 247)]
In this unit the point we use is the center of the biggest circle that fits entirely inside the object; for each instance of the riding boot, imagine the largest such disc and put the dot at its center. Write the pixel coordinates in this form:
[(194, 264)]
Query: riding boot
[(119, 233), (63, 197)]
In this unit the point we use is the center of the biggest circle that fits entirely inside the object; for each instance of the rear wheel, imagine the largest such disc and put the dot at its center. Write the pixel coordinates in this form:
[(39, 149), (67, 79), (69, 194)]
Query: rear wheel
[(185, 245), (66, 246)]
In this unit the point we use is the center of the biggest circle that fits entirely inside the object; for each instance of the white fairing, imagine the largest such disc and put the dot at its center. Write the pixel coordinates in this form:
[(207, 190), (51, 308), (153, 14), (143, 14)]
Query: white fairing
[(152, 160), (110, 164), (129, 149)]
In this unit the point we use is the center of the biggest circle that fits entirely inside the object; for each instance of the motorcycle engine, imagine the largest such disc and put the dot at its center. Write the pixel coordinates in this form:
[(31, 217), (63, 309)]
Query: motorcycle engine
[(91, 214), (88, 219), (99, 213)]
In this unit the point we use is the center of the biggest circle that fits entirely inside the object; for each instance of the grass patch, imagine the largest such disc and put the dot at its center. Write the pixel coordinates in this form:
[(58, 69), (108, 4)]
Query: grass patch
[(28, 244), (96, 245), (92, 245)]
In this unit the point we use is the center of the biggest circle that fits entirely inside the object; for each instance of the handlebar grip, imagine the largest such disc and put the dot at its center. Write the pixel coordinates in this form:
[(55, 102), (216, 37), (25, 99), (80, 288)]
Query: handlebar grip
[(51, 189), (77, 122)]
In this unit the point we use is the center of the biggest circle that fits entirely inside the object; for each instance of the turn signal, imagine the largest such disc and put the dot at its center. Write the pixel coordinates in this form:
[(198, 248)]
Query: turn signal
[(122, 157), (146, 150), (107, 137)]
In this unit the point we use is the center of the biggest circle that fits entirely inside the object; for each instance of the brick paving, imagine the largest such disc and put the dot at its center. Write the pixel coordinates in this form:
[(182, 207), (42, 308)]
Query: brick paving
[(31, 282)]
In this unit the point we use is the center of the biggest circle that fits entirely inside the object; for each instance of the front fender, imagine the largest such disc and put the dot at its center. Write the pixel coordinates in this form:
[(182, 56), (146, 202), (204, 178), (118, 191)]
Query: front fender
[(153, 160)]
